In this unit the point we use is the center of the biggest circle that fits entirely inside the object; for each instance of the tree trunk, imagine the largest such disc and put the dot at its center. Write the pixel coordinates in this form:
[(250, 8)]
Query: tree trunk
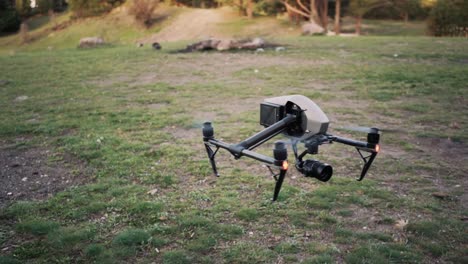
[(325, 15), (337, 17), (405, 17), (241, 8), (358, 24), (250, 9), (313, 13)]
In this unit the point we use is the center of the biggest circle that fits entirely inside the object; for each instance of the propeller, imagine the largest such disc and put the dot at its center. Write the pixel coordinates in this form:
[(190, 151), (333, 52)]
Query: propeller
[(368, 129)]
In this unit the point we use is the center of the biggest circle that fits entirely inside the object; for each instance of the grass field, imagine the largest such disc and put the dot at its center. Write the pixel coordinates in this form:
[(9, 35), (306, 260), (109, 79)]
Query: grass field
[(117, 129)]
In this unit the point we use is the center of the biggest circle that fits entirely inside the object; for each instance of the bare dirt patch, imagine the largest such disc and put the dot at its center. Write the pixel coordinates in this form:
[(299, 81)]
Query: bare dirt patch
[(37, 173)]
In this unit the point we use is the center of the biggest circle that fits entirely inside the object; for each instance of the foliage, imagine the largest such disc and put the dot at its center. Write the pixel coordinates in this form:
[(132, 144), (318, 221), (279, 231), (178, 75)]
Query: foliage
[(449, 18), (9, 18), (43, 6), (143, 10), (361, 7), (269, 7), (23, 7), (398, 9), (85, 8)]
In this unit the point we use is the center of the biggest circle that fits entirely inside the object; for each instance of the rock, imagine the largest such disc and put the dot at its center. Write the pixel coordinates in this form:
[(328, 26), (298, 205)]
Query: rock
[(156, 46), (278, 49), (312, 29), (21, 98), (90, 42), (259, 50), (441, 195)]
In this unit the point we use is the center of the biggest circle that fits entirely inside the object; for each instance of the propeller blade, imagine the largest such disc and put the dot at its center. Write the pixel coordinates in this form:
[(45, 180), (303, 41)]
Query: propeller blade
[(361, 129)]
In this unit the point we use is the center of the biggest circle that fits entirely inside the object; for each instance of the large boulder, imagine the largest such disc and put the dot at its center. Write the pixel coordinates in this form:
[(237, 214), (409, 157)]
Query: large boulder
[(90, 42), (312, 29)]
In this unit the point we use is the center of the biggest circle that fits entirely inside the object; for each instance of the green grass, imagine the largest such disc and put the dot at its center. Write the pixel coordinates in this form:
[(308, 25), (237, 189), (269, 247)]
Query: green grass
[(133, 117)]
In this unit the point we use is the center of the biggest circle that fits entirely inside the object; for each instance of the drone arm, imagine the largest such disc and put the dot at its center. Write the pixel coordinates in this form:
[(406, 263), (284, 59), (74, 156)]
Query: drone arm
[(241, 152), (269, 132), (354, 143), (373, 148)]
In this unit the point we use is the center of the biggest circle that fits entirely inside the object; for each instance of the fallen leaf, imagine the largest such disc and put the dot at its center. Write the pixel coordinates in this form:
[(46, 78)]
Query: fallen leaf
[(401, 224), (152, 192)]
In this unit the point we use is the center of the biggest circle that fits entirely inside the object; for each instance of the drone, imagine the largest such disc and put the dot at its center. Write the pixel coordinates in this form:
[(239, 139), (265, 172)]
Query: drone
[(301, 121)]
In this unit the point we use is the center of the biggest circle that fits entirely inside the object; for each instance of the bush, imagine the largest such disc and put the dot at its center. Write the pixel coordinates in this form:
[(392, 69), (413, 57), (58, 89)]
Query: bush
[(9, 20), (143, 10), (86, 8), (449, 18)]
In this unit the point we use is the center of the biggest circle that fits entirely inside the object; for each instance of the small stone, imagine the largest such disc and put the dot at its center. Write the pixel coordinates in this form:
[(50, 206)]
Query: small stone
[(10, 194), (152, 192), (251, 233), (278, 49), (24, 179), (21, 98), (440, 195)]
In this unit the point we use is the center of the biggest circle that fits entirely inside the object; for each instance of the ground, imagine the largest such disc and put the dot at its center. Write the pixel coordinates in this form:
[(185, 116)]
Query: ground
[(122, 125)]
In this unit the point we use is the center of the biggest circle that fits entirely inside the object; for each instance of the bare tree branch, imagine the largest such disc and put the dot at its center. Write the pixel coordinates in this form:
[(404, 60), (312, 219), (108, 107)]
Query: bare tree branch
[(302, 6), (295, 10)]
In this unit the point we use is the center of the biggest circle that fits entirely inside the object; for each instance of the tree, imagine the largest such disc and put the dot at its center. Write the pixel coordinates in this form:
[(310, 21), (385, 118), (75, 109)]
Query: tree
[(143, 10), (84, 8), (405, 7), (449, 18), (316, 10), (23, 7), (9, 18), (360, 7), (337, 16)]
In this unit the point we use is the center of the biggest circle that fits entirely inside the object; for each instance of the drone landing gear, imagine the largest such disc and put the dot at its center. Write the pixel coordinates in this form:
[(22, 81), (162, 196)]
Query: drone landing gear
[(280, 154)]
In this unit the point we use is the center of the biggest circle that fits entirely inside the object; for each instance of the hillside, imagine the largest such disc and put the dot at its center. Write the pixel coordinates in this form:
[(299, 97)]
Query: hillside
[(173, 24), (118, 27)]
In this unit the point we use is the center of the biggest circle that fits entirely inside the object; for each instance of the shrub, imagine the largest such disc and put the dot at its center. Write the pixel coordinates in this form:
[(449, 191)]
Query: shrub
[(449, 18), (86, 8), (143, 10), (9, 18)]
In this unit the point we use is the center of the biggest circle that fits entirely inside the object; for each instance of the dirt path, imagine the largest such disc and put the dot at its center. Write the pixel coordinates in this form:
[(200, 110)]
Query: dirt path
[(194, 24)]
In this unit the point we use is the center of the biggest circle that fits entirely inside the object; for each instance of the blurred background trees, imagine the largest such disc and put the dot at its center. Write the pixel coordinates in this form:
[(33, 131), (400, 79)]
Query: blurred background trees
[(444, 17)]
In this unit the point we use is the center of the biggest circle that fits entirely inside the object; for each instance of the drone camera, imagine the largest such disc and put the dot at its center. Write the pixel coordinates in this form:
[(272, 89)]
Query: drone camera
[(316, 169)]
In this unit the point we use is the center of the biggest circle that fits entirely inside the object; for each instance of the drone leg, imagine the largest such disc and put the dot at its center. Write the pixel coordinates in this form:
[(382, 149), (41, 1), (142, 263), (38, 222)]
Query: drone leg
[(279, 183), (281, 155), (211, 155), (208, 133)]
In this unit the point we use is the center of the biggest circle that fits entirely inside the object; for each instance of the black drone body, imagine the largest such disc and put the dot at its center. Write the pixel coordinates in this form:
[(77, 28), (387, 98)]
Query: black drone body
[(302, 121)]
